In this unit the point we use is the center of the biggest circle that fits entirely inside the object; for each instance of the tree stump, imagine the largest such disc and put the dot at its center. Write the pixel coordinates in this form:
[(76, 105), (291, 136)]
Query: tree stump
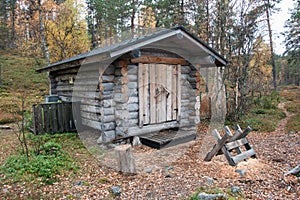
[(125, 159)]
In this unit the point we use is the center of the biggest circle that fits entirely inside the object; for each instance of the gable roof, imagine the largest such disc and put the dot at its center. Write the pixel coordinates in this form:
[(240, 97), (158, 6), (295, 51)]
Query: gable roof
[(176, 39)]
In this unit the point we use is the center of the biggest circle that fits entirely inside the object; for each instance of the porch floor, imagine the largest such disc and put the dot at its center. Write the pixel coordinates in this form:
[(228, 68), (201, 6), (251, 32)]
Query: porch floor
[(167, 138)]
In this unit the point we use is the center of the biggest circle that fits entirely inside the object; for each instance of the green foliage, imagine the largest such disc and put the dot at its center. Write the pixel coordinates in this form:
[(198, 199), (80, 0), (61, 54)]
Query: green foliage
[(293, 107), (267, 102), (44, 166), (47, 160), (293, 124), (259, 124), (19, 79), (52, 148), (228, 192), (292, 41), (263, 114), (66, 34)]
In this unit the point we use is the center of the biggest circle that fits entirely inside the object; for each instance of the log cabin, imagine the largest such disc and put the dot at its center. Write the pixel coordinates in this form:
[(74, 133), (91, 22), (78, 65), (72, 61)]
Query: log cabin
[(137, 86)]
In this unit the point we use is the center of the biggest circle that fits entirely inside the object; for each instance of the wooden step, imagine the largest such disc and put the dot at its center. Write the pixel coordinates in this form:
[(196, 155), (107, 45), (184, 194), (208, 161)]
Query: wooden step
[(167, 138)]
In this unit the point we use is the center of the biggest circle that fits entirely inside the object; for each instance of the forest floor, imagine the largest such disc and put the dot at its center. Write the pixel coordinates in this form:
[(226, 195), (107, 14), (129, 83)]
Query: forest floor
[(173, 173)]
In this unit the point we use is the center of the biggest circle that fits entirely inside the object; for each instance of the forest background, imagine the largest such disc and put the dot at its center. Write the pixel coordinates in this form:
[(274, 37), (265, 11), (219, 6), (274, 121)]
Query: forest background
[(54, 30)]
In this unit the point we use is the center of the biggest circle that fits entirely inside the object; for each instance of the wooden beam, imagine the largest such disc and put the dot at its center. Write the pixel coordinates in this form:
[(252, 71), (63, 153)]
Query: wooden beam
[(217, 147), (238, 133), (224, 150), (135, 131), (157, 59), (243, 156), (227, 130), (245, 133), (236, 144)]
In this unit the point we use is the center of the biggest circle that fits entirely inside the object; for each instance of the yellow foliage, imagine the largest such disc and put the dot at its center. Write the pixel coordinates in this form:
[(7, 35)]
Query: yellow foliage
[(147, 18), (66, 32), (260, 73)]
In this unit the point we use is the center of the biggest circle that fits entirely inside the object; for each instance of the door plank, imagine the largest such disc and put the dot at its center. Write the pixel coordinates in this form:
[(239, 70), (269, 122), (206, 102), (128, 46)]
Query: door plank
[(141, 95), (158, 91), (146, 112), (170, 92), (178, 92), (174, 90), (163, 111), (152, 94)]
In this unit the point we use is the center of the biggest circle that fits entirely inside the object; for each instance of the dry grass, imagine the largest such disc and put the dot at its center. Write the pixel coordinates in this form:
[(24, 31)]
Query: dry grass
[(292, 95)]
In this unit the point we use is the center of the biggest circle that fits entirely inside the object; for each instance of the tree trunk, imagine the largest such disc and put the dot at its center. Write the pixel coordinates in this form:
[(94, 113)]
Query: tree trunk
[(132, 18), (271, 46), (42, 32), (13, 20), (125, 159)]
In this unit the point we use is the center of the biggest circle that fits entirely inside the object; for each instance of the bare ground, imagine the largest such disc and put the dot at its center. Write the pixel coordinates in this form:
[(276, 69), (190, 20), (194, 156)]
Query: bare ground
[(176, 172)]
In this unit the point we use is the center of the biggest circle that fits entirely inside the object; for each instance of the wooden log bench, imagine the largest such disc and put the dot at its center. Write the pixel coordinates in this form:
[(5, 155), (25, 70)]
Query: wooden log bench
[(230, 143)]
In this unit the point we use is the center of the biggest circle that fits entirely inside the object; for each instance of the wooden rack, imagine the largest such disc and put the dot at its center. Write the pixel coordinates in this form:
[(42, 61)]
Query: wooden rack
[(235, 147)]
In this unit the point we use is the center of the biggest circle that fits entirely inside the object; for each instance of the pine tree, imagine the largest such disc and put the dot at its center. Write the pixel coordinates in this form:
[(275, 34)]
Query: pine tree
[(292, 43)]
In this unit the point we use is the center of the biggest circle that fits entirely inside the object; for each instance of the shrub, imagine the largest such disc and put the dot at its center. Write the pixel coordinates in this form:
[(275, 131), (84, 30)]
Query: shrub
[(52, 148), (45, 167), (47, 160)]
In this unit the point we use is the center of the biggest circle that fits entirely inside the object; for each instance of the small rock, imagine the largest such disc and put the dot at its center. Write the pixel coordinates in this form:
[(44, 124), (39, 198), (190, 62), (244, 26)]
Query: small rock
[(169, 176), (204, 196), (116, 190), (170, 168), (149, 195), (242, 172), (136, 141), (235, 189), (79, 183), (148, 170), (210, 180), (292, 132), (111, 146), (5, 190)]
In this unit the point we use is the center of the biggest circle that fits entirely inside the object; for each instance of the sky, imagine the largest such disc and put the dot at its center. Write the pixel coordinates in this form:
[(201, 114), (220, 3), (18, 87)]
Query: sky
[(277, 24)]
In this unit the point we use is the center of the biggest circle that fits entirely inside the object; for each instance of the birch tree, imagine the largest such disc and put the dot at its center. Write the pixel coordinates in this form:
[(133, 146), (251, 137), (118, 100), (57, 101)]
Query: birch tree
[(66, 33)]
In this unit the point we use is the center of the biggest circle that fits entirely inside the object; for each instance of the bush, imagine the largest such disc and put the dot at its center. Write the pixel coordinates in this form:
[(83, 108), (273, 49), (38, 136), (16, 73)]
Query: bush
[(45, 167), (263, 115), (52, 148), (47, 160), (259, 124)]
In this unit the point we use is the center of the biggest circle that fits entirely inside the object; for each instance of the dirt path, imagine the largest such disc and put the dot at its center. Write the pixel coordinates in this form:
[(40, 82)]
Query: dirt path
[(282, 123)]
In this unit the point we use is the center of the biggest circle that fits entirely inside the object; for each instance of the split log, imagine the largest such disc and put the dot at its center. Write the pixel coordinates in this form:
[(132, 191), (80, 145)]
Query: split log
[(125, 159)]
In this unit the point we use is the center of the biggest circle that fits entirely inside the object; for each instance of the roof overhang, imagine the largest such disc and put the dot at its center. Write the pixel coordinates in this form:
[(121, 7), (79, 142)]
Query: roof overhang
[(177, 40)]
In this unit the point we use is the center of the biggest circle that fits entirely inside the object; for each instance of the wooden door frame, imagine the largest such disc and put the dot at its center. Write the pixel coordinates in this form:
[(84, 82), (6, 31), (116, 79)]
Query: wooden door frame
[(167, 79)]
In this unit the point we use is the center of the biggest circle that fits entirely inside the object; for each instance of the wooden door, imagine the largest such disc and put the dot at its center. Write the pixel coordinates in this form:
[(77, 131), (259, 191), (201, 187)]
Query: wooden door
[(159, 93)]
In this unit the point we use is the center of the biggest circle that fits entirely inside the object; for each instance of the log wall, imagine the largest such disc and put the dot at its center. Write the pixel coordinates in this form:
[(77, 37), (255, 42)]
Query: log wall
[(110, 100)]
